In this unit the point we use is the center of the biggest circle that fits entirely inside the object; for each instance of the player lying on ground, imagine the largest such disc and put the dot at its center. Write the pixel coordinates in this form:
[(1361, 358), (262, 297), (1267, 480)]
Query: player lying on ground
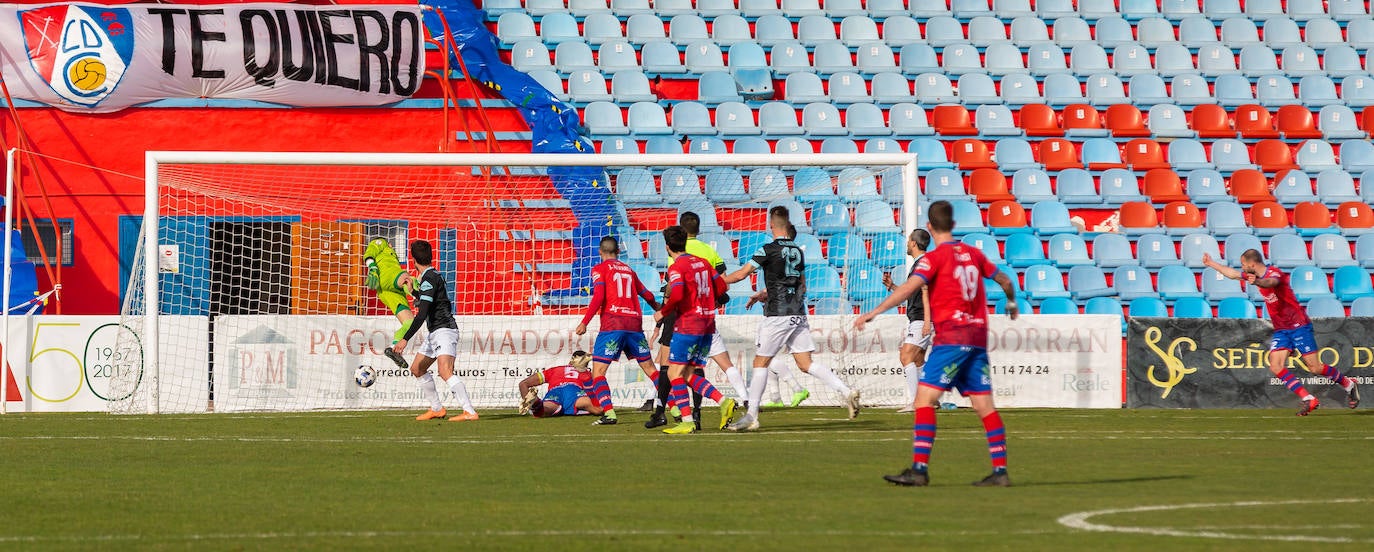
[(567, 392), (1292, 328), (616, 291), (392, 285)]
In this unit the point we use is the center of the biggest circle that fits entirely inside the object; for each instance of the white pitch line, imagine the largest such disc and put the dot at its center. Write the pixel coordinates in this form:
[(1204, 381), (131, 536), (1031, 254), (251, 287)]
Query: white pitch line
[(1079, 520)]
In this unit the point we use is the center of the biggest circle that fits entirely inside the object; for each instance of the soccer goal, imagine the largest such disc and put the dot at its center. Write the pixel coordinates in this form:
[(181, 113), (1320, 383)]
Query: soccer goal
[(251, 290)]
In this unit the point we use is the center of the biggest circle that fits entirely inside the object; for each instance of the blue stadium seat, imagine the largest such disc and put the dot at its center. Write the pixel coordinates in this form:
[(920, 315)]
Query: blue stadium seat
[(1169, 121), (1031, 186), (692, 118), (1322, 33), (1058, 305), (794, 145), (1072, 31), (767, 184), (1120, 186), (1317, 91), (960, 58), (1286, 250), (845, 249), (1020, 89), (778, 119), (1260, 10), (1274, 91), (1281, 32), (1325, 307), (635, 187), (860, 30), (919, 59), (751, 145), (680, 184), (714, 8), (969, 9), (1236, 244), (943, 30), (1190, 90), (985, 243), (1196, 31), (614, 56), (1331, 251), (831, 57), (822, 282), (1046, 58), (1045, 281), (1218, 287), (706, 145), (1055, 9), (811, 249), (530, 55), (1000, 305), (1192, 307), (1177, 282), (1229, 154), (1216, 59), (1029, 31), (1112, 30), (715, 87), (1153, 32), (1309, 282), (1063, 89), (754, 9), (865, 281), (619, 145), (945, 184), (1108, 306), (930, 154), (1315, 156), (1338, 122), (604, 119), (1341, 61), (994, 291), (801, 8), (1148, 90), (1088, 59), (703, 56), (1293, 188), (1221, 9), (1156, 250), (1348, 10), (908, 119), (967, 218), (1003, 58), (1051, 217), (874, 217), (787, 58), (513, 27), (875, 58), (1138, 9), (735, 119), (1364, 250), (550, 80), (839, 144), (995, 120), (661, 57), (557, 28), (891, 88), (822, 119), (631, 87), (1068, 249), (1298, 61), (1204, 185), (1239, 32), (848, 87), (1148, 307), (1336, 186), (1225, 217), (1363, 306), (1087, 282), (1012, 9), (662, 144), (648, 119), (1132, 282), (855, 185), (1106, 89), (686, 28), (1131, 58), (1014, 154), (725, 185), (811, 184), (1075, 188), (978, 89), (1359, 33), (1351, 283), (1024, 250), (588, 8), (1357, 156), (900, 30), (600, 28), (889, 249), (1236, 308)]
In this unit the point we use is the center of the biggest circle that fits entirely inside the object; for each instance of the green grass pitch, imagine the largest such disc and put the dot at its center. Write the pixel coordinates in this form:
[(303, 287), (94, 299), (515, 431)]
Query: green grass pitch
[(1254, 480)]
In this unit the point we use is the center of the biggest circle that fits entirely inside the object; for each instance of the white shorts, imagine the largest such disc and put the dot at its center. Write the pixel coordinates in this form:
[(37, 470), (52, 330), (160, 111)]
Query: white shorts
[(914, 337), (717, 345), (776, 332), (440, 342)]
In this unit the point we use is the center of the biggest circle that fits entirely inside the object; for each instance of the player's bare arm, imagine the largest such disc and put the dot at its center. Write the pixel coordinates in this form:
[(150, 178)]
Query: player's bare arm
[(740, 274), (1005, 281), (1221, 268)]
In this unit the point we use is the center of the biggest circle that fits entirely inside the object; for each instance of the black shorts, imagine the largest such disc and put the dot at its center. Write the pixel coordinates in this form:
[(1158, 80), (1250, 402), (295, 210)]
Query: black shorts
[(665, 333)]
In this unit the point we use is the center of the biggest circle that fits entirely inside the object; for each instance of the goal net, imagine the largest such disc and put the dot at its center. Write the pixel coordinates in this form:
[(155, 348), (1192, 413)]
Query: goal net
[(251, 290)]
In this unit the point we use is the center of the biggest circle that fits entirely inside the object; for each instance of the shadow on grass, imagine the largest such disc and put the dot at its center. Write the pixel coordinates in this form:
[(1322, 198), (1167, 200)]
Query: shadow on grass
[(1033, 483)]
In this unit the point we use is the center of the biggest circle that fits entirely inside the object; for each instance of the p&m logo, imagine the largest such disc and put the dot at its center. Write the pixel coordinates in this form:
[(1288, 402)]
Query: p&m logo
[(1172, 363), (82, 52)]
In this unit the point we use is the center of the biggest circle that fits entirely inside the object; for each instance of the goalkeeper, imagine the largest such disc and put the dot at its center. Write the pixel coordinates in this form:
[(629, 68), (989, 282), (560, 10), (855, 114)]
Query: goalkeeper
[(392, 285)]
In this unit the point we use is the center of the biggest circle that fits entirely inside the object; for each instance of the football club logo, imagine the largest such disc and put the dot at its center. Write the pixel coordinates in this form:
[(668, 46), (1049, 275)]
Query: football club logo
[(1173, 363), (81, 51)]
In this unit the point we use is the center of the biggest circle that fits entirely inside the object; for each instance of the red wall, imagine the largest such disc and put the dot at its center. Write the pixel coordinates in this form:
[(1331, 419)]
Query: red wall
[(116, 142)]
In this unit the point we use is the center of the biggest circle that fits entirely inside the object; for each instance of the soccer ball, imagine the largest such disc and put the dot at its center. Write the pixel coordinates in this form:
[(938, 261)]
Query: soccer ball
[(365, 376)]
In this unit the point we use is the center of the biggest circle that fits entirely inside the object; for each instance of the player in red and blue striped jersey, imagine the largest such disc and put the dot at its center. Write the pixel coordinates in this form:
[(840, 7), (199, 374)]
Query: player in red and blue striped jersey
[(1292, 328), (616, 291), (566, 395), (693, 286), (954, 273)]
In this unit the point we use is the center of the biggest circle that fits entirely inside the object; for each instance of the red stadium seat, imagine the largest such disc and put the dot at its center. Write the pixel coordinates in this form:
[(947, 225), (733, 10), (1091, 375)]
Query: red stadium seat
[(1182, 214), (1367, 120), (1040, 120), (1081, 116), (1125, 121), (1211, 121), (1254, 122), (1143, 154), (1268, 215), (1138, 215), (1058, 154), (1311, 215), (1354, 215), (1164, 186), (989, 185), (953, 120), (1295, 122), (1006, 214), (1273, 156), (971, 153), (1250, 186)]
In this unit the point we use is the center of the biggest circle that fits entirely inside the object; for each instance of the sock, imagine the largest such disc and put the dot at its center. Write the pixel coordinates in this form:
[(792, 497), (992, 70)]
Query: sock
[(696, 373), (913, 377), (405, 327), (460, 393), (737, 381), (680, 399), (922, 438), (602, 389), (756, 388), (786, 376), (430, 392), (664, 387), (823, 373), (997, 441), (703, 388), (1337, 376), (1291, 382), (653, 382), (773, 385)]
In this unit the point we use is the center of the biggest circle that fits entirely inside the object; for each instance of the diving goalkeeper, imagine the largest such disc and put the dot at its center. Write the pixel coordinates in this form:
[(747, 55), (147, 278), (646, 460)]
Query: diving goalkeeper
[(392, 285)]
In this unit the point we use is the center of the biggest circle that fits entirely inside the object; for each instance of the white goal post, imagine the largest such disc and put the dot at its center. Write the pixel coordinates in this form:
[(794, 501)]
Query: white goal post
[(361, 194)]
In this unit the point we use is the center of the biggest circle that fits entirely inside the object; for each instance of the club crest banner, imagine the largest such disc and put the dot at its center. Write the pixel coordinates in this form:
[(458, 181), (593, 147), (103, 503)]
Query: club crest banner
[(97, 58)]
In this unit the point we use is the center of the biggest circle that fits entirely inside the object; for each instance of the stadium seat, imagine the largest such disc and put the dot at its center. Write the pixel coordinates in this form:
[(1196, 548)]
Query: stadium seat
[(1007, 217), (891, 88), (970, 153), (1309, 282), (1187, 154), (604, 119), (1317, 91), (889, 249), (1364, 250), (1208, 121), (985, 243), (1325, 307), (1204, 186), (1194, 246), (1189, 90), (735, 119), (918, 59), (680, 184), (1311, 218), (1058, 154), (1082, 120), (1182, 219), (661, 57), (1322, 33), (1269, 218), (663, 145), (865, 120), (1338, 122), (793, 145), (618, 55), (945, 184), (1063, 89), (855, 185), (1225, 218), (1058, 305), (703, 56), (1087, 282), (1147, 307), (1192, 307), (1164, 186), (1014, 154), (619, 145), (1125, 121), (1040, 120), (1177, 282), (1232, 90), (860, 30), (1030, 32), (986, 30), (999, 306), (1254, 122), (908, 119), (986, 186), (930, 154), (1132, 282), (648, 119), (725, 185), (1112, 251), (1355, 218), (1111, 29), (1336, 187), (1174, 59), (1363, 306), (970, 9), (513, 27), (1236, 244), (1131, 58), (967, 218), (550, 80), (1169, 121), (804, 88), (1143, 154), (995, 120), (875, 217), (1156, 250), (778, 119), (632, 87), (822, 281), (953, 120), (1197, 31), (846, 249), (600, 28), (625, 8), (529, 55), (1148, 90), (934, 89), (1250, 186), (822, 119), (768, 184), (1331, 251), (1274, 91), (1104, 89), (1068, 250), (1138, 217), (1286, 250), (1232, 155), (1088, 59), (1108, 306), (1298, 61), (978, 89), (686, 28), (635, 186), (1031, 185), (1217, 287), (1258, 60), (1294, 122), (1024, 250), (811, 184), (875, 58), (1153, 32), (831, 57), (1292, 187), (1075, 187), (1358, 155), (944, 30), (1352, 283), (692, 118), (1055, 9), (1044, 281), (1315, 156), (900, 30)]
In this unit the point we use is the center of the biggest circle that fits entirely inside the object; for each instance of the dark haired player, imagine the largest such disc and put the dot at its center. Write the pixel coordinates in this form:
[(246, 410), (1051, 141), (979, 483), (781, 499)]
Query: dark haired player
[(693, 287), (616, 291), (954, 272), (918, 329), (566, 395), (436, 310), (1292, 328)]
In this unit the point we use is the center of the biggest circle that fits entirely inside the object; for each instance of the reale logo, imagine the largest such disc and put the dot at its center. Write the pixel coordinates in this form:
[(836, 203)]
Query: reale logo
[(82, 52)]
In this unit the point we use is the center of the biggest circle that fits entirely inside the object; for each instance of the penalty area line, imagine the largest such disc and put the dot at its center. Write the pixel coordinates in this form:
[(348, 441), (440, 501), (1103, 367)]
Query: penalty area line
[(628, 532), (1080, 521)]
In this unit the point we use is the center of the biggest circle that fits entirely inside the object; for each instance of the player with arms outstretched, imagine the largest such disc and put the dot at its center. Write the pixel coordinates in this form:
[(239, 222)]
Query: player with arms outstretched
[(436, 310), (954, 273), (1292, 328), (692, 290), (616, 291), (784, 318), (392, 285), (566, 395)]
